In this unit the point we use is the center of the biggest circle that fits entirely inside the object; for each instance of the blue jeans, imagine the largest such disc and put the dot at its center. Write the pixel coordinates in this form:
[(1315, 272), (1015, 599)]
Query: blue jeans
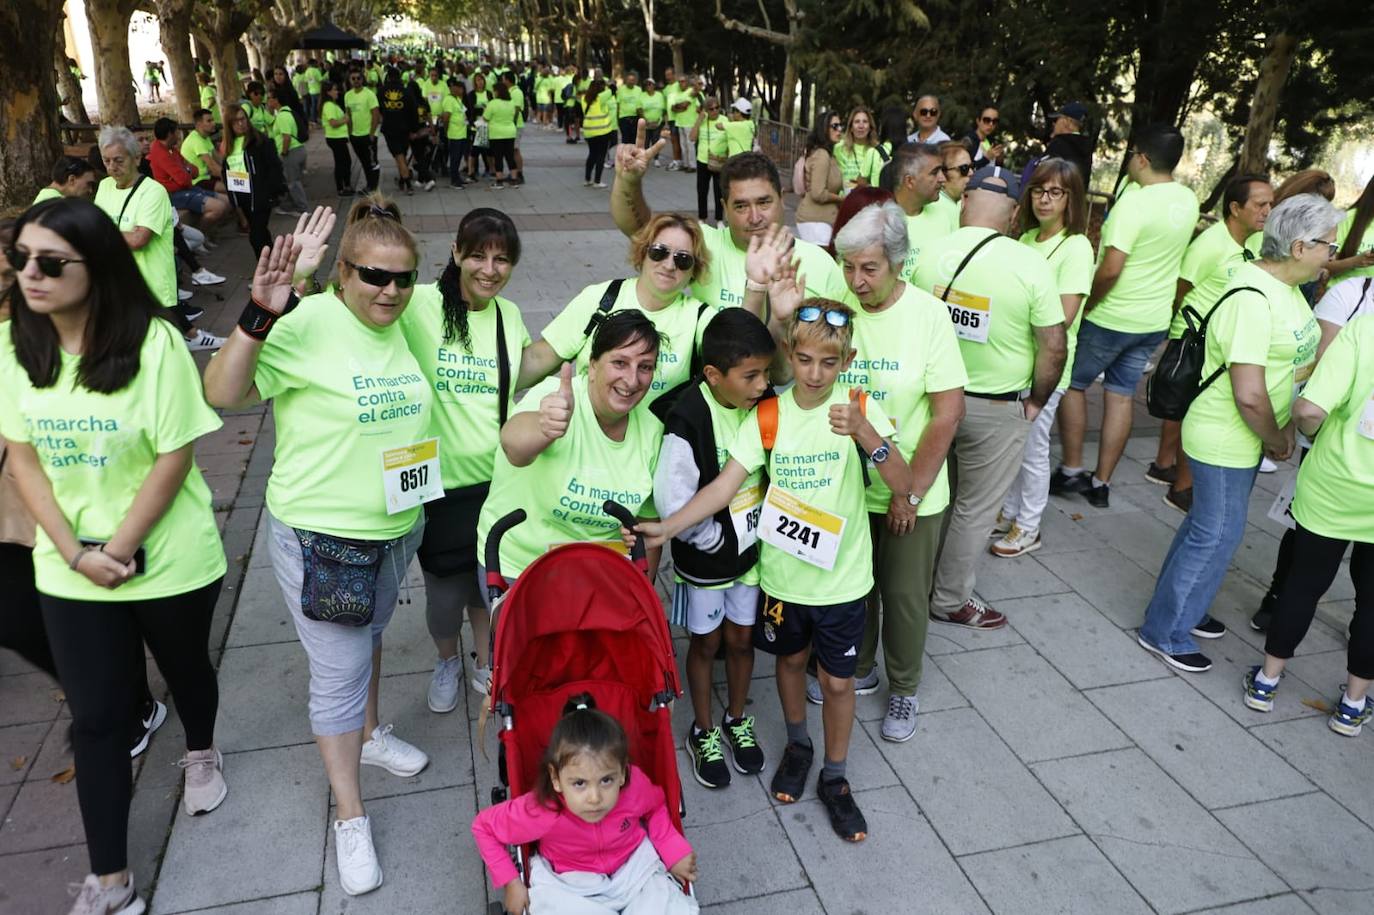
[(1197, 560)]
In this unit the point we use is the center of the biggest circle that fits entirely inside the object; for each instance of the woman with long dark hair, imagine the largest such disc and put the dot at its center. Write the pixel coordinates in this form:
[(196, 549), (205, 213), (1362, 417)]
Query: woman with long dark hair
[(597, 105), (821, 174), (101, 405), (252, 174), (335, 121)]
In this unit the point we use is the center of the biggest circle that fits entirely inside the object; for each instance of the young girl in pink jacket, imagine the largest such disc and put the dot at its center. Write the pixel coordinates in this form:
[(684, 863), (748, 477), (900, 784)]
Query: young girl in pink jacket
[(604, 834)]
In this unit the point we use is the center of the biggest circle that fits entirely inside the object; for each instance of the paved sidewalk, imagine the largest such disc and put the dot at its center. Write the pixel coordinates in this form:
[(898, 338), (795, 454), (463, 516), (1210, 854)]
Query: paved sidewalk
[(1057, 767)]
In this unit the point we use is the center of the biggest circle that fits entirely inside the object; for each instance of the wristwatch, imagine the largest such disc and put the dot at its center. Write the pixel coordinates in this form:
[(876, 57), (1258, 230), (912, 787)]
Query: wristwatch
[(913, 500), (879, 454)]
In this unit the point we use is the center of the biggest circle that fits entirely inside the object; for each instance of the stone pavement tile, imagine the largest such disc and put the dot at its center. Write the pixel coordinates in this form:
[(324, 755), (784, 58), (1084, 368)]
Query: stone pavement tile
[(1323, 671), (1062, 875), (936, 693), (35, 883), (796, 902), (867, 765), (1216, 760), (1001, 579), (1231, 660), (429, 859), (1082, 643), (271, 826), (294, 904), (1060, 533), (1315, 845), (29, 699), (1108, 580), (1048, 720), (975, 793), (1170, 849), (443, 737), (1338, 765), (1285, 904), (11, 663), (1147, 497), (42, 815), (263, 695), (864, 877), (260, 617), (1257, 554), (947, 638), (1137, 535), (19, 746)]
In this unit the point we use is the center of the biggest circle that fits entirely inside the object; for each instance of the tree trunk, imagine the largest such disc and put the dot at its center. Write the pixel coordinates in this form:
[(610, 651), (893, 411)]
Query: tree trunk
[(787, 112), (1264, 106), (116, 98), (254, 58), (617, 56), (203, 55), (68, 87), (679, 59), (29, 142), (174, 33), (226, 66)]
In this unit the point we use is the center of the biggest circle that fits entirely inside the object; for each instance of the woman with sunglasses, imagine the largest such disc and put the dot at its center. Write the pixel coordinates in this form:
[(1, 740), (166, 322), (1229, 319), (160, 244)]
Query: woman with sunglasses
[(985, 151), (708, 134), (355, 459), (857, 152), (253, 174), (101, 406), (668, 254), (820, 204)]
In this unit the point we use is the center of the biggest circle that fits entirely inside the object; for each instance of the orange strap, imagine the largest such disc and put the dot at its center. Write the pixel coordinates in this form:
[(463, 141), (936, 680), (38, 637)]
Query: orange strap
[(767, 412)]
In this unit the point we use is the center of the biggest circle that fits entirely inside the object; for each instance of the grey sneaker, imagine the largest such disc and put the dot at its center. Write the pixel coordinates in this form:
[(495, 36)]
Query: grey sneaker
[(93, 899), (899, 725), (205, 788), (443, 685), (863, 686)]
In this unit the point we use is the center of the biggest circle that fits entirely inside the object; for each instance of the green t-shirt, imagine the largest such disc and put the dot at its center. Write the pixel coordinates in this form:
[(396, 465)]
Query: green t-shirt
[(1071, 260), (1335, 494), (562, 490), (360, 104), (560, 81), (1152, 226), (343, 392), (629, 101), (1366, 244), (258, 116), (948, 206), (687, 116), (466, 413), (739, 137), (903, 353), (47, 193), (543, 90), (922, 229), (517, 98), (682, 322), (284, 125), (500, 115), (209, 100), (1274, 329), (313, 78), (457, 127), (1209, 263), (434, 92), (152, 209), (723, 284), (711, 139), (651, 106), (195, 146), (333, 111), (858, 162), (98, 449), (1005, 292), (812, 463)]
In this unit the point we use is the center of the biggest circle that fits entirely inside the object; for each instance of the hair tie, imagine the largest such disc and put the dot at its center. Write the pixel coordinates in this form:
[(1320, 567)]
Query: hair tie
[(379, 213), (582, 707)]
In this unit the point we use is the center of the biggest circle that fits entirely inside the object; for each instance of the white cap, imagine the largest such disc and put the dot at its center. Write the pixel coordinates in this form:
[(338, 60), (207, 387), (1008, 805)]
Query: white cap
[(742, 106)]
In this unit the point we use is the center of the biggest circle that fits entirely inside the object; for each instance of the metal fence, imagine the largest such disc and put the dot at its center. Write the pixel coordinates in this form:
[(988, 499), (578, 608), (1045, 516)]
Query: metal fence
[(783, 144)]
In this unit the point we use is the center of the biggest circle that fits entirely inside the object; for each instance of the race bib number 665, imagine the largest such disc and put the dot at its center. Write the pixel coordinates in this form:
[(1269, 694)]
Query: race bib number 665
[(809, 533), (970, 314)]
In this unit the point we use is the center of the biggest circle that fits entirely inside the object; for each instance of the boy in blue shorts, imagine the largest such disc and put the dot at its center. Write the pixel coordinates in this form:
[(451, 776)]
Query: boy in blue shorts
[(815, 561)]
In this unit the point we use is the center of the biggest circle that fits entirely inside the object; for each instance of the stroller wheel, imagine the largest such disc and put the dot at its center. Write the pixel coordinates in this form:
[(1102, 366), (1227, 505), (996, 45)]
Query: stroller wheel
[(498, 795)]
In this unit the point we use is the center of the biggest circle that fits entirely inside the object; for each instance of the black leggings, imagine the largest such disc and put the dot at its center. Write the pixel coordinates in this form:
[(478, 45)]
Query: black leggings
[(343, 163), (362, 148), (705, 178), (94, 643), (503, 155), (1284, 560), (21, 622), (1316, 560), (596, 156), (259, 236)]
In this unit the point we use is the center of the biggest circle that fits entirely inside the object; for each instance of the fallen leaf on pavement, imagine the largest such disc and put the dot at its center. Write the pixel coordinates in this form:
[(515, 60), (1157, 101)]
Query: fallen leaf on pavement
[(19, 762), (1075, 517), (1318, 705), (65, 775)]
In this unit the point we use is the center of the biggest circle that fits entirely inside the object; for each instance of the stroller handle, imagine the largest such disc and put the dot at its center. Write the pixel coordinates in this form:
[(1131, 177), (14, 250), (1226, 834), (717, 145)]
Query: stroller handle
[(623, 515), (496, 583)]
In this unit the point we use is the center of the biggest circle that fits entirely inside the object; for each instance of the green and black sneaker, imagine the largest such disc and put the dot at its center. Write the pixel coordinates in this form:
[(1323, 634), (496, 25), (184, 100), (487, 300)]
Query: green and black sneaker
[(744, 745), (707, 749)]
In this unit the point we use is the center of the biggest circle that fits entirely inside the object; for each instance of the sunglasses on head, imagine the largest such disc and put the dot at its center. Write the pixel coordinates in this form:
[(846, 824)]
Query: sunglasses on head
[(964, 170), (809, 314), (682, 260), (376, 276), (927, 112), (48, 265)]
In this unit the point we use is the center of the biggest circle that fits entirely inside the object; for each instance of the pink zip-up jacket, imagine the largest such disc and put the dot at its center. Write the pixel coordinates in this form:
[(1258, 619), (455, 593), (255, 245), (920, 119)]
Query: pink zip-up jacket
[(570, 843)]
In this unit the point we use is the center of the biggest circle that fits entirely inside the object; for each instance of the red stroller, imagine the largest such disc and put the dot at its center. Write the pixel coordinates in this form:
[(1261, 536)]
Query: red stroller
[(580, 619)]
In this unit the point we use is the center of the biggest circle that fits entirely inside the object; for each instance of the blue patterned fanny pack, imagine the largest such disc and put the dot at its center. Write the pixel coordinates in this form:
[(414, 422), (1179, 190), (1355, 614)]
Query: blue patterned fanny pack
[(340, 580)]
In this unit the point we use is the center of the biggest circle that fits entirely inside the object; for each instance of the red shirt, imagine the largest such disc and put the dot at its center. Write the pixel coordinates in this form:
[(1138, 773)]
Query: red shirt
[(169, 167)]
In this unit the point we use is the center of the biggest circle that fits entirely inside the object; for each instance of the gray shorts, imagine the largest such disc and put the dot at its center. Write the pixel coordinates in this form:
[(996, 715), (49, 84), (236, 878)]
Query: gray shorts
[(340, 656)]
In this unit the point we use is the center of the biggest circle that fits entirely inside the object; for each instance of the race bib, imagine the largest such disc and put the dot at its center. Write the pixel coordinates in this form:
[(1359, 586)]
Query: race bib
[(1366, 426), (809, 533), (1280, 509), (971, 314), (238, 182), (744, 514), (410, 475)]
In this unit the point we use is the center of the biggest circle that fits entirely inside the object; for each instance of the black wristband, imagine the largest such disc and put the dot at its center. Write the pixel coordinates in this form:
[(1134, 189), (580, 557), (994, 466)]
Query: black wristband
[(257, 321)]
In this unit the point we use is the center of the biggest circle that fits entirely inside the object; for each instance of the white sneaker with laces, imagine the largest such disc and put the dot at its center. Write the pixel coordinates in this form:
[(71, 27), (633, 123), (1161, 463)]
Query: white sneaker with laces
[(203, 277), (429, 185), (184, 294), (205, 788), (899, 724), (1267, 466), (443, 685), (393, 754), (204, 341), (1001, 525), (93, 899), (1016, 542), (481, 676), (356, 857)]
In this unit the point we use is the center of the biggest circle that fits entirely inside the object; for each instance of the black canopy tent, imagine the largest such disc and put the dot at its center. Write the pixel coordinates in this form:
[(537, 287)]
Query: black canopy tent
[(329, 35)]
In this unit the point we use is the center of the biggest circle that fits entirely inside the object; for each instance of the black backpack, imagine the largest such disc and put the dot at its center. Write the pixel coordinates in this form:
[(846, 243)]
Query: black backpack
[(1177, 380)]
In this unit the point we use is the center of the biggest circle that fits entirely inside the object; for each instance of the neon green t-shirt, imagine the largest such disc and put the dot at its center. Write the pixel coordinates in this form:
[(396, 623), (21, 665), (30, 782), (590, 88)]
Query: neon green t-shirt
[(1071, 260), (651, 106), (922, 229), (560, 81), (343, 392), (687, 116), (723, 284), (1335, 494), (812, 463), (1274, 329), (500, 115), (258, 116), (98, 449), (543, 90), (457, 127), (858, 162), (517, 98), (466, 412), (629, 101), (949, 207), (47, 193), (1152, 225), (152, 209), (562, 490), (903, 353), (313, 78), (1209, 263), (739, 137), (360, 104), (284, 125), (1366, 245), (711, 139), (332, 111), (208, 99), (1005, 292), (435, 92), (195, 146), (682, 322)]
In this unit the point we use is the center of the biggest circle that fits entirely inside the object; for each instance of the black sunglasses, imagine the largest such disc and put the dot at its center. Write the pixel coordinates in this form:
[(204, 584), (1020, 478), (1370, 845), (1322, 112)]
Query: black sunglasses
[(376, 276), (927, 112), (836, 125), (48, 265), (988, 120), (682, 260), (965, 170)]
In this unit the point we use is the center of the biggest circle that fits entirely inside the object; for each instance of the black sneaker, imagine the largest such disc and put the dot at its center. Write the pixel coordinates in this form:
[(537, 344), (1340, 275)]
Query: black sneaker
[(1260, 621), (846, 819), (1164, 476), (744, 745), (708, 757), (1181, 499), (789, 782), (1209, 629), (1193, 663), (1062, 483), (1098, 496), (150, 719)]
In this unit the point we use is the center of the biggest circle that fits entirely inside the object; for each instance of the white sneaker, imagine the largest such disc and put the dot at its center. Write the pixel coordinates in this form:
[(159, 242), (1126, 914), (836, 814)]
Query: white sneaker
[(393, 754), (204, 341), (205, 788), (674, 166), (443, 685), (184, 294), (481, 677), (1001, 525), (601, 184), (1267, 466), (359, 871), (429, 185), (93, 899), (203, 277), (1016, 542)]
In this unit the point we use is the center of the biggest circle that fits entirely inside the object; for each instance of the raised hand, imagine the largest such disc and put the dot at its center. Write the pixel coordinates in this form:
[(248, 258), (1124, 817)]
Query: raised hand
[(631, 162), (767, 254), (272, 278), (786, 292), (312, 234), (556, 409), (848, 418)]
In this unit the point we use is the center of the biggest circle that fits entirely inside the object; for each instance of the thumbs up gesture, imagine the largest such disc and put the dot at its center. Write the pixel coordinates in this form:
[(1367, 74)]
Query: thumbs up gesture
[(556, 409), (848, 418)]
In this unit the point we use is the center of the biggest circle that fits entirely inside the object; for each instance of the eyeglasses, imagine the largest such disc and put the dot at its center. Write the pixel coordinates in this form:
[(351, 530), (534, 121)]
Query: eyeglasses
[(682, 260), (1054, 193), (1331, 246), (836, 125), (988, 120), (928, 112), (375, 276), (48, 265), (810, 314), (964, 170)]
